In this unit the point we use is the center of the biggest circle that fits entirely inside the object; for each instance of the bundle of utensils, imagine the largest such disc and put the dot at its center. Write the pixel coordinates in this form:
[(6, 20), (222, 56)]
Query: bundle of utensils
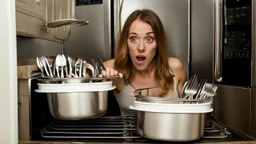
[(196, 88), (68, 67)]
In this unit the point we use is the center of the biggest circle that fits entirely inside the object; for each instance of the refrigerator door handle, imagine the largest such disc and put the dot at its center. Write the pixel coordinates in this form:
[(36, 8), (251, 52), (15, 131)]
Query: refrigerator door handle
[(218, 40)]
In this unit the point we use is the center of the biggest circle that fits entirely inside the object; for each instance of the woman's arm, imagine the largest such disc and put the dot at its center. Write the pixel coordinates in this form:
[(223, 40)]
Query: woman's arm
[(179, 72)]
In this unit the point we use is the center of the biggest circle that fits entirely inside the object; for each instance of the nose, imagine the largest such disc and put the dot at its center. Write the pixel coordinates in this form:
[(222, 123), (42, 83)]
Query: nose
[(141, 46)]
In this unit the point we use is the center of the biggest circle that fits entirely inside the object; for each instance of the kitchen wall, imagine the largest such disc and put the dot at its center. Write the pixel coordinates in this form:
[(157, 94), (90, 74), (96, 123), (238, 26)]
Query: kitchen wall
[(30, 48)]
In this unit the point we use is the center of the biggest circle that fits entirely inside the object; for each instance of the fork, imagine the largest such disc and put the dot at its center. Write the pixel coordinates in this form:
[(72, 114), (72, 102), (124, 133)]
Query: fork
[(64, 64), (190, 89)]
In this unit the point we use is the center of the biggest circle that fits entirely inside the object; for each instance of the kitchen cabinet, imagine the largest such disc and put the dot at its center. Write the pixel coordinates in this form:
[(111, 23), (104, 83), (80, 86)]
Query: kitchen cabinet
[(58, 10), (29, 17), (24, 74), (23, 109), (33, 15)]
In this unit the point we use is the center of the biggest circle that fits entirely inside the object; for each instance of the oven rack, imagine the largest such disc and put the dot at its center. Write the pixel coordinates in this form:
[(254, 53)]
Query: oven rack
[(115, 127)]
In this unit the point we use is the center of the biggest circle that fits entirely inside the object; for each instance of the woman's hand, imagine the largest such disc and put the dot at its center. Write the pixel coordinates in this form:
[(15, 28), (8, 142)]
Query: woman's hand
[(110, 72)]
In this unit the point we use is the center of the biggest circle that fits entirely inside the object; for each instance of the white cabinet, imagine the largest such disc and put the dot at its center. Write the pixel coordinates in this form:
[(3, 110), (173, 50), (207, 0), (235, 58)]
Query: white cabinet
[(32, 15), (29, 17)]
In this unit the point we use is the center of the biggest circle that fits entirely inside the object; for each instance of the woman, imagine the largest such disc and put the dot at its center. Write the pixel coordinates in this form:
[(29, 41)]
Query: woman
[(141, 54)]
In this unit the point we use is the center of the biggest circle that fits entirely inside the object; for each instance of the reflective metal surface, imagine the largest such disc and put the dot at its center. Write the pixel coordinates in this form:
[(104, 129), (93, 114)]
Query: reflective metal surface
[(202, 38), (232, 107), (108, 127), (63, 22), (76, 106), (95, 38), (170, 127), (218, 40)]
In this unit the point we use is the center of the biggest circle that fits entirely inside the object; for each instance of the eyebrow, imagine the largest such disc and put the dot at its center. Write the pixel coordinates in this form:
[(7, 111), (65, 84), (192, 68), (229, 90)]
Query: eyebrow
[(146, 33)]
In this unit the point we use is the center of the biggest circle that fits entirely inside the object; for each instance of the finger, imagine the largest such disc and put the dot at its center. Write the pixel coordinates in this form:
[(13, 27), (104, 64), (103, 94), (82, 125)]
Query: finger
[(120, 75), (108, 72), (103, 73), (115, 73), (112, 72)]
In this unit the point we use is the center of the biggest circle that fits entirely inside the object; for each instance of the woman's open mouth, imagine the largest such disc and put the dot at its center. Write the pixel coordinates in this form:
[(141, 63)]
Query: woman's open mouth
[(140, 59)]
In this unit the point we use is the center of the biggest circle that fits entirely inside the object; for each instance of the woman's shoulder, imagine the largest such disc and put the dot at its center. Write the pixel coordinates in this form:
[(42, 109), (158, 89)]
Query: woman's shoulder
[(176, 67), (175, 63), (110, 63)]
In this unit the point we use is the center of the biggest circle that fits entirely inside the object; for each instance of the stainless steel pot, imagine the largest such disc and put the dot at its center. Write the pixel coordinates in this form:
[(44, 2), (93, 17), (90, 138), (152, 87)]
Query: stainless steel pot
[(161, 119), (77, 105), (170, 126)]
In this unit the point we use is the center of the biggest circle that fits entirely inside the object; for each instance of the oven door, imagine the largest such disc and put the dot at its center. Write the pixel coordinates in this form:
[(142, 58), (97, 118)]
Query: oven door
[(232, 107)]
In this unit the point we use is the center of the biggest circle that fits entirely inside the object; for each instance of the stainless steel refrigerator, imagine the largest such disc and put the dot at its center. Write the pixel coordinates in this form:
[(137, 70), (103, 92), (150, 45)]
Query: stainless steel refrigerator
[(223, 51), (94, 38), (106, 18)]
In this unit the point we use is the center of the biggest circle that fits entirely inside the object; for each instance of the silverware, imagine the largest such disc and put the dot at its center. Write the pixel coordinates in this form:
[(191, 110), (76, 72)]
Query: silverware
[(138, 91), (64, 64), (58, 64), (191, 88), (70, 65), (40, 66), (41, 60), (80, 67), (84, 70), (44, 59), (200, 87), (53, 68), (76, 66), (208, 90), (91, 68), (101, 65)]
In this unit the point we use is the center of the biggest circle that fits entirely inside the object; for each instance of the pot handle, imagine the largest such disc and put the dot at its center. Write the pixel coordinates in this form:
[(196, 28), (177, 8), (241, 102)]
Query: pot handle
[(138, 91)]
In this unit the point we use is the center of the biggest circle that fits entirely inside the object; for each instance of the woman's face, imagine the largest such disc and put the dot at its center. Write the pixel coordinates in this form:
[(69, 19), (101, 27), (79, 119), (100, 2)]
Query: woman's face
[(141, 44)]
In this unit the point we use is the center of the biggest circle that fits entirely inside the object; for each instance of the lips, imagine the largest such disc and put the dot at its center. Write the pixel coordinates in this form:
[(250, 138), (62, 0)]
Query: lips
[(140, 58)]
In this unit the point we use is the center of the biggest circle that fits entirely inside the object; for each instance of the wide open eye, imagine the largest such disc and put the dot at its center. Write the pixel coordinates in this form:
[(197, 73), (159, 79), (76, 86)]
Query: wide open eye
[(149, 39), (133, 39)]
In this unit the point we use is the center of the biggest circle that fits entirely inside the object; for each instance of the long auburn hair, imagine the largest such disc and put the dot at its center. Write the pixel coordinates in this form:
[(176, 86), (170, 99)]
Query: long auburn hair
[(123, 62)]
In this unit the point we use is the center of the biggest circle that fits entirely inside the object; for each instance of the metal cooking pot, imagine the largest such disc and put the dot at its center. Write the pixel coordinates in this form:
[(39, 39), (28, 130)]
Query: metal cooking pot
[(170, 127), (77, 105), (76, 101), (163, 120)]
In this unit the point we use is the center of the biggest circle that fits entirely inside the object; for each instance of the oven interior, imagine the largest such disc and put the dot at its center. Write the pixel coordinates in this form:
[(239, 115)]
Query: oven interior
[(110, 127)]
